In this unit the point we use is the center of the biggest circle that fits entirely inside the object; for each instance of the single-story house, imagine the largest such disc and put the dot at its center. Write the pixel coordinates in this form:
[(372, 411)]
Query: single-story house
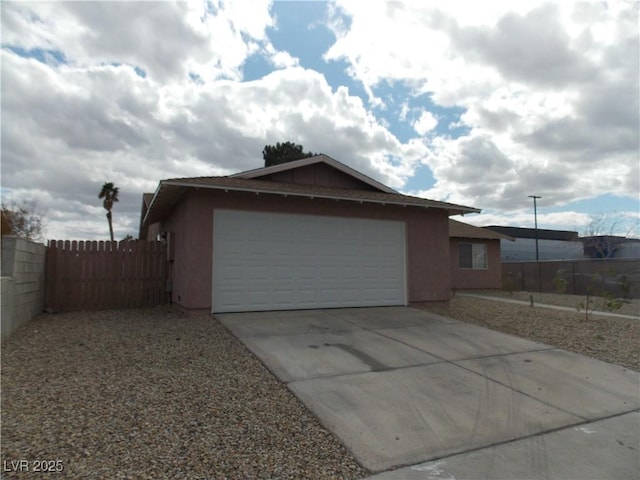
[(475, 256), (312, 233)]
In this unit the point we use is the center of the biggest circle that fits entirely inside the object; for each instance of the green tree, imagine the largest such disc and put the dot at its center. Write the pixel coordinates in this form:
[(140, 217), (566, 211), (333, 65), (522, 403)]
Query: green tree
[(22, 220), (110, 195), (283, 153)]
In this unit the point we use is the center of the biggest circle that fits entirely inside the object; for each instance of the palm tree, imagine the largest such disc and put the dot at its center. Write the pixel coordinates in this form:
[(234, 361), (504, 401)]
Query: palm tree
[(110, 195)]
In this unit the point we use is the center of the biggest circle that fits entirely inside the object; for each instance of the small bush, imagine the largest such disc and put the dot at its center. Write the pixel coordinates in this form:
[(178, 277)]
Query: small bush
[(559, 282)]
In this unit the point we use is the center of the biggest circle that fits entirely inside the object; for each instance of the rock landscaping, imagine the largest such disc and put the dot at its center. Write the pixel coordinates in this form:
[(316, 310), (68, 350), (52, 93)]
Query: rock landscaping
[(610, 339), (148, 394)]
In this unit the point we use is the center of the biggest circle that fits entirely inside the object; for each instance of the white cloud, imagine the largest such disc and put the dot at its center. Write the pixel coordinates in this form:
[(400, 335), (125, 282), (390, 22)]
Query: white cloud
[(66, 137), (282, 59), (425, 123), (549, 89), (558, 119), (167, 40)]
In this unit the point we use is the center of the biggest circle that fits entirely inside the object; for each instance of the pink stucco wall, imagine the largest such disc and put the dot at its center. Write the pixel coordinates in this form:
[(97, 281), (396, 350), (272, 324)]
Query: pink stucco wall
[(464, 278), (428, 269)]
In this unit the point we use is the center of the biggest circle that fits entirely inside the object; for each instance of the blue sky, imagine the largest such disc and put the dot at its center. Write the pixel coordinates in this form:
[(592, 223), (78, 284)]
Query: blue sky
[(481, 105)]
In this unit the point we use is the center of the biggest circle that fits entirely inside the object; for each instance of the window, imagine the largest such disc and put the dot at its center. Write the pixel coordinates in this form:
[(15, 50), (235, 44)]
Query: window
[(472, 255)]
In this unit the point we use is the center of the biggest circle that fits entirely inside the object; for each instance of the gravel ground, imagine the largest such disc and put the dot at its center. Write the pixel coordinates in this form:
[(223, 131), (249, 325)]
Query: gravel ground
[(613, 340), (150, 394), (628, 307)]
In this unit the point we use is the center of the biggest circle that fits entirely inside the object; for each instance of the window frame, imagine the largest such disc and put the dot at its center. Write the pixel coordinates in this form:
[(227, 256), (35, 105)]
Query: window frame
[(474, 265)]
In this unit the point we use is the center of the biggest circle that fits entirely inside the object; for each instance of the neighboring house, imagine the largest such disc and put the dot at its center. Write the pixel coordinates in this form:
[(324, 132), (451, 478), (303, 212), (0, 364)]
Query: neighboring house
[(629, 248), (312, 233), (552, 244), (611, 246), (475, 256)]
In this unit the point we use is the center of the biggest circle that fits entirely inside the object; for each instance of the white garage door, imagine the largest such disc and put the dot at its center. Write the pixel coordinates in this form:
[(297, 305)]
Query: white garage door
[(272, 261)]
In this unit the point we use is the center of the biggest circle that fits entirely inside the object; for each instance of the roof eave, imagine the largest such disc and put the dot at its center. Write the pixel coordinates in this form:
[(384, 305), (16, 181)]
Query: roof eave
[(472, 237), (144, 225), (450, 208), (462, 210), (153, 200)]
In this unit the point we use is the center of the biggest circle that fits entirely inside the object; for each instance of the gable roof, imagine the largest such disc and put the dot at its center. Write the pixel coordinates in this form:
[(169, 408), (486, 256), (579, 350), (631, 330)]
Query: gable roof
[(303, 162), (464, 230), (171, 190)]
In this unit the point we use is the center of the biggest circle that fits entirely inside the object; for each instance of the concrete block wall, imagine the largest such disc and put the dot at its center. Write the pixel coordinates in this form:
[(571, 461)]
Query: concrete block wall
[(23, 282)]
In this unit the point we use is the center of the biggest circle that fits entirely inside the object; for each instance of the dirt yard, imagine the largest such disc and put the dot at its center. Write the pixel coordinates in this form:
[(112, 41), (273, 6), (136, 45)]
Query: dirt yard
[(610, 339)]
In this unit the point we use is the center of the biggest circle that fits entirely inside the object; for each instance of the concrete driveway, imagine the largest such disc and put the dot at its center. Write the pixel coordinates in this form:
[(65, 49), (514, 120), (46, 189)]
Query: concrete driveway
[(447, 399)]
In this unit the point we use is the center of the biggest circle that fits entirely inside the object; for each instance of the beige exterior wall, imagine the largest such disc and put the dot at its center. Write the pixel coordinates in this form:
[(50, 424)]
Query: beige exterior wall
[(428, 268), (465, 278)]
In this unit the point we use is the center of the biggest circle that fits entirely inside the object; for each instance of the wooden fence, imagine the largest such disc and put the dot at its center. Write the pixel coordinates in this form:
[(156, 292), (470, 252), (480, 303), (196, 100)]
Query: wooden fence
[(95, 275)]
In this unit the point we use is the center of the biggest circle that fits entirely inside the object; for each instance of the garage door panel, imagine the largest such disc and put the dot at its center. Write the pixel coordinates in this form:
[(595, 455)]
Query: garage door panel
[(231, 299), (283, 296), (265, 261), (306, 296)]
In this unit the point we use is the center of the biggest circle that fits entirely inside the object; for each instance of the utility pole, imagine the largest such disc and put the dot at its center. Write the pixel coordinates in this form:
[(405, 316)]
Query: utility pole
[(535, 219)]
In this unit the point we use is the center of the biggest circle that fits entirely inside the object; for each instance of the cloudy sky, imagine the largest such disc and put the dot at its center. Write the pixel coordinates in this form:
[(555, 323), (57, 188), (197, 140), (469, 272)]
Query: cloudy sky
[(478, 103)]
